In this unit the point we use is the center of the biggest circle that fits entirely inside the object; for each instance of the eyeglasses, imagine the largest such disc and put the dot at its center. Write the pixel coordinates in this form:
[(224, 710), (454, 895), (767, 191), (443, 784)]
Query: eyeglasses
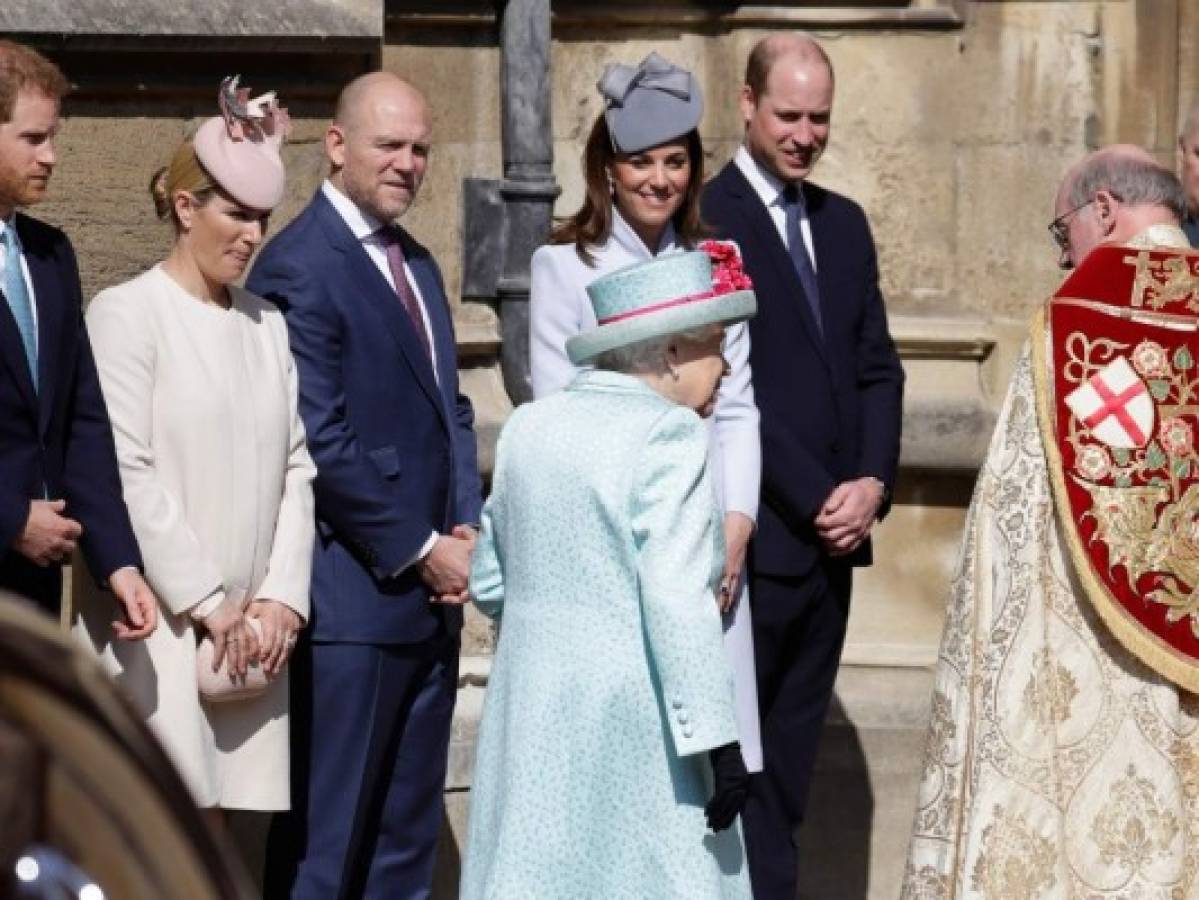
[(1059, 228)]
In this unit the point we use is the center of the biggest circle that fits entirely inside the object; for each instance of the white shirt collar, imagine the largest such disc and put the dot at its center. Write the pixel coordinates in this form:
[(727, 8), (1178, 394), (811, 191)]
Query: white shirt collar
[(624, 236), (765, 183), (361, 223)]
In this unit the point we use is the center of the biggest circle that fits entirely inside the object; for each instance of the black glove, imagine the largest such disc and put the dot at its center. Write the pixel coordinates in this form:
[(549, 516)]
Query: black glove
[(731, 786)]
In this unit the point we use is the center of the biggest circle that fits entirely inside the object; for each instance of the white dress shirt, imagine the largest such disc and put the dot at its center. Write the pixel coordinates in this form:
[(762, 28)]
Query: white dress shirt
[(365, 228), (770, 188)]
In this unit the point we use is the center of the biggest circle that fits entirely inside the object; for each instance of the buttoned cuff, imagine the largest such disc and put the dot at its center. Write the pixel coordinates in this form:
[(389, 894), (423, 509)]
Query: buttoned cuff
[(694, 733)]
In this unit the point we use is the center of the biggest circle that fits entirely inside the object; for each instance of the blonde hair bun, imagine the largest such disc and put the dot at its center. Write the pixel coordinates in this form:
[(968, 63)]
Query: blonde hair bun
[(159, 193)]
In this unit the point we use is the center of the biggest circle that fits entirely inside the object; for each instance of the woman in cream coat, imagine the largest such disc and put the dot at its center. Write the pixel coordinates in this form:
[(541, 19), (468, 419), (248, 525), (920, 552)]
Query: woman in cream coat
[(643, 167), (201, 390)]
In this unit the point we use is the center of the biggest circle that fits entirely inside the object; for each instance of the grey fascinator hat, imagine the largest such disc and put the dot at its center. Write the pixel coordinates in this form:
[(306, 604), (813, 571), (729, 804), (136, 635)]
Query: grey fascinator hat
[(649, 104)]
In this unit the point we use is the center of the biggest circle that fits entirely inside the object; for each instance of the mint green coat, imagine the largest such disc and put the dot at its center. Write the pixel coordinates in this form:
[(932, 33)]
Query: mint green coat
[(600, 550)]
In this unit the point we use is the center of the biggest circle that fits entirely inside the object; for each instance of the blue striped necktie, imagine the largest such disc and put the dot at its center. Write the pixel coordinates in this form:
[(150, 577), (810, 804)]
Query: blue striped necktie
[(793, 210), (16, 292)]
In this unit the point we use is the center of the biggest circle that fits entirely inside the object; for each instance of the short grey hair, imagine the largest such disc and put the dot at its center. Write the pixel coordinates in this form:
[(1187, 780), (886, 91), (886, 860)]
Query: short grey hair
[(649, 355), (1131, 180)]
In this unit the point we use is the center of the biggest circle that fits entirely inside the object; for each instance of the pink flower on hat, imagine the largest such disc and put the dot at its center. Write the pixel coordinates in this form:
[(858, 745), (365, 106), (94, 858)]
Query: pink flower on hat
[(728, 275)]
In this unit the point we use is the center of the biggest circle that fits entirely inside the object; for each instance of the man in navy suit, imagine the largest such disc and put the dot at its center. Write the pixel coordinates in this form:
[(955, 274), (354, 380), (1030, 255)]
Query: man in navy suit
[(59, 483), (397, 496), (829, 387)]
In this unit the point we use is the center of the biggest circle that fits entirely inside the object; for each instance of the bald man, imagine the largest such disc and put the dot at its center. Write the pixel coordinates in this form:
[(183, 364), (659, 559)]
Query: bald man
[(397, 496), (1064, 734), (829, 386)]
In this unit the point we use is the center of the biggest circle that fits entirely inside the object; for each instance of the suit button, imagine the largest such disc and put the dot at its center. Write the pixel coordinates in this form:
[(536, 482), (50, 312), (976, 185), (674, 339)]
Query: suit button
[(677, 704), (684, 718), (687, 732)]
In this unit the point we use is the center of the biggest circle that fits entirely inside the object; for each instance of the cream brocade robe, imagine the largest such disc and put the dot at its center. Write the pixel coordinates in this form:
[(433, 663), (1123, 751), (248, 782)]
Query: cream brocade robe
[(1057, 764)]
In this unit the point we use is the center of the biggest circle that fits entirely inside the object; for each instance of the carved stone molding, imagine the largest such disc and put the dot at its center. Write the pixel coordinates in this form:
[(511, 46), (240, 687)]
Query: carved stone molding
[(948, 410), (693, 14), (276, 20)]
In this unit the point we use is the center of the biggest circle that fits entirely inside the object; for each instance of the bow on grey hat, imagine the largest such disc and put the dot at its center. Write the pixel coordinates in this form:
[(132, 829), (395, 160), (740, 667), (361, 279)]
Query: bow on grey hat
[(649, 104)]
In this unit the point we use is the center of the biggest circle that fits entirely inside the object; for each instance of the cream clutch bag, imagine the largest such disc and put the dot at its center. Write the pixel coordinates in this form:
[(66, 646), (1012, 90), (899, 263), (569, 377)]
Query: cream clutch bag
[(218, 687)]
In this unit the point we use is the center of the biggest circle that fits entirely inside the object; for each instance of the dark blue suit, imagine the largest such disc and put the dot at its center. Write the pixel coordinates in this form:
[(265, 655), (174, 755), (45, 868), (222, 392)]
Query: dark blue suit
[(1190, 225), (56, 441), (374, 684), (831, 408)]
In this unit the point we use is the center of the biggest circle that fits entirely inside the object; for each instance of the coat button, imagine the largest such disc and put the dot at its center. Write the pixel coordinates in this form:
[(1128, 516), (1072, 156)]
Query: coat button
[(687, 732), (677, 704), (684, 718)]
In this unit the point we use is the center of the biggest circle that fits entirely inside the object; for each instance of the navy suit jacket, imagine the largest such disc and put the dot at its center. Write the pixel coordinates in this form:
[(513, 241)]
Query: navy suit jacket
[(831, 406), (394, 445), (56, 441)]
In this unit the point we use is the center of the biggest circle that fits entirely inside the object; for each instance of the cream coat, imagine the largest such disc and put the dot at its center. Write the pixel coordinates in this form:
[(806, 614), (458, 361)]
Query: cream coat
[(218, 482)]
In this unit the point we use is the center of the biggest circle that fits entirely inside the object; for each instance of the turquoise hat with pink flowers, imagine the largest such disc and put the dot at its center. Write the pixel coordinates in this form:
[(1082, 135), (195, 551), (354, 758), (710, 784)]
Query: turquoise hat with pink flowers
[(673, 293)]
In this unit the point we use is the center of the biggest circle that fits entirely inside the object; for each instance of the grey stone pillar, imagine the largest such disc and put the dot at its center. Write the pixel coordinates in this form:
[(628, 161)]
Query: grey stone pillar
[(528, 188), (506, 221)]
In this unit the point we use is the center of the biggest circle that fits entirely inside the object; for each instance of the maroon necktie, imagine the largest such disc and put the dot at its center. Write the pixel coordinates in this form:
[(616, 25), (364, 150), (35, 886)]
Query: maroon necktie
[(390, 236)]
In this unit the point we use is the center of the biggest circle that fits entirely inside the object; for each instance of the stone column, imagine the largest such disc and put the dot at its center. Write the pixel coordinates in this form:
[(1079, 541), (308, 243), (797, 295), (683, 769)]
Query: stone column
[(528, 188)]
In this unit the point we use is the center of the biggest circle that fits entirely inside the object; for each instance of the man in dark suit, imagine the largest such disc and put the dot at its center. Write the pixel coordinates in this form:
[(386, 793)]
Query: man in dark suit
[(397, 493), (829, 385), (59, 483)]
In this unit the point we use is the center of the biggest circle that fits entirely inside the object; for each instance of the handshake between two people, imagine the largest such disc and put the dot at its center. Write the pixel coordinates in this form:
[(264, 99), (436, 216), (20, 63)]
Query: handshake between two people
[(445, 569)]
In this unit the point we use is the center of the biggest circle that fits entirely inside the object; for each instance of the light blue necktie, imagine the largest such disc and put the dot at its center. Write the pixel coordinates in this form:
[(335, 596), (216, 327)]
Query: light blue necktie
[(16, 292), (793, 210)]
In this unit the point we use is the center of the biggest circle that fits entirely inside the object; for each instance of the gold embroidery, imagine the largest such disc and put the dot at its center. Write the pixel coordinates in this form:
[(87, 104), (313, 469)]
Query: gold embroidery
[(925, 883), (1015, 863), (1050, 691), (1011, 595), (1144, 502), (1133, 827), (1158, 283)]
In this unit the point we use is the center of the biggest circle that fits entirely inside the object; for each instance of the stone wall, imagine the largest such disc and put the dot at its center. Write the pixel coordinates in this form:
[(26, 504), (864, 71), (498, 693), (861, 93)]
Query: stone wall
[(953, 121)]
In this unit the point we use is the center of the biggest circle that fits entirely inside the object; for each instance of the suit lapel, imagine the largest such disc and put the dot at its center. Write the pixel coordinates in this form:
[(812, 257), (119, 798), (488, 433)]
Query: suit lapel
[(826, 249), (767, 237), (379, 297), (439, 321), (12, 354), (48, 294)]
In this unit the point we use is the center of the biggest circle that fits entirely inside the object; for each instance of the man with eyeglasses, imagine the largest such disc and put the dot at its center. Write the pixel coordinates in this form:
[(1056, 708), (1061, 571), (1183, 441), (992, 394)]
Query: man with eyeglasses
[(1064, 734), (1115, 196)]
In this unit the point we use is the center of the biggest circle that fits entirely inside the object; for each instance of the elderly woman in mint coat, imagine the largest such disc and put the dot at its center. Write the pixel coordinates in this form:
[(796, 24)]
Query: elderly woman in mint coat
[(601, 551), (643, 168)]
